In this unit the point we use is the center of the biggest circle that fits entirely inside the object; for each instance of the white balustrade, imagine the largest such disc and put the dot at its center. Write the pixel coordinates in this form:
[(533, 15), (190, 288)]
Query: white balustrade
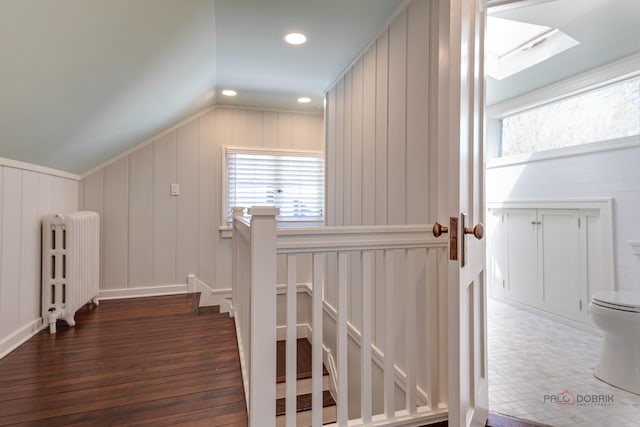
[(410, 272)]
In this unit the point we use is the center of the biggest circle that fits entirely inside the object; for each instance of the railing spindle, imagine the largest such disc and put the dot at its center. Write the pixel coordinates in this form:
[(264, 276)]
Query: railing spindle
[(316, 358), (342, 380), (291, 358), (389, 368), (365, 363), (431, 329), (410, 330)]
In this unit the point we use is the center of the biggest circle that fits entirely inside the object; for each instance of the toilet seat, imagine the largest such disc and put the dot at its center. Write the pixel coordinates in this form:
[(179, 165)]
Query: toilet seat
[(618, 300)]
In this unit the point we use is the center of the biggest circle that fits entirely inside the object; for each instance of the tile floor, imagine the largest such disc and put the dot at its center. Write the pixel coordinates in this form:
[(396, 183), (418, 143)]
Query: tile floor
[(532, 360)]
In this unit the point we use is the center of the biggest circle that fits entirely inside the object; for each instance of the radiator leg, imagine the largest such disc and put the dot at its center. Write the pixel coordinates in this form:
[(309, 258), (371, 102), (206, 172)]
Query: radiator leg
[(96, 301), (53, 318), (70, 319)]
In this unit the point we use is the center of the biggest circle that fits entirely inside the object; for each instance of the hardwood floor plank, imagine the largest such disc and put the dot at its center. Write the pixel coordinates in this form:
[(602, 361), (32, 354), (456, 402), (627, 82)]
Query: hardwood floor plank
[(143, 361), (161, 412)]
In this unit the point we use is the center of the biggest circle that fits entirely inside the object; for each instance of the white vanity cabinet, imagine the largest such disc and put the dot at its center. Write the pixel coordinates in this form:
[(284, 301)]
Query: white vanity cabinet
[(552, 258)]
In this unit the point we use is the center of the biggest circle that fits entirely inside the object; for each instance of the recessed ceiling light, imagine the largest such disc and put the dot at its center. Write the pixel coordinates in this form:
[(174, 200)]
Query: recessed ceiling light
[(304, 100), (295, 38), (229, 92)]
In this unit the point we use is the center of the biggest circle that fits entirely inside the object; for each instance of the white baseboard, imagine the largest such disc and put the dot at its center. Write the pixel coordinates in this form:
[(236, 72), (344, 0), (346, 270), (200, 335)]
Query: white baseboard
[(13, 341), (149, 291), (210, 296)]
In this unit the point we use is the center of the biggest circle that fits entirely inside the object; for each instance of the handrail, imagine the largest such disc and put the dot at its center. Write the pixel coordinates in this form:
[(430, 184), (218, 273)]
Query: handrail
[(243, 227), (355, 238)]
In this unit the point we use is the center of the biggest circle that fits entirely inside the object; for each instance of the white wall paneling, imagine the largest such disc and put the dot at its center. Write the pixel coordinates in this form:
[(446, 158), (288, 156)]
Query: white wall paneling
[(164, 210), (27, 193), (381, 162), (115, 217), (140, 217), (417, 175), (397, 124), (369, 138), (11, 250), (29, 245), (208, 199), (153, 240)]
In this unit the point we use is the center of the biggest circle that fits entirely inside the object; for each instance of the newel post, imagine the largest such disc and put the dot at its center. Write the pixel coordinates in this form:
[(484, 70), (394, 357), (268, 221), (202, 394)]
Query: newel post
[(236, 211), (262, 410)]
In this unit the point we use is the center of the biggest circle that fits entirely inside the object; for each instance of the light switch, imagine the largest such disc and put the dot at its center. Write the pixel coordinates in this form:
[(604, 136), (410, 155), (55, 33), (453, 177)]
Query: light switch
[(175, 189)]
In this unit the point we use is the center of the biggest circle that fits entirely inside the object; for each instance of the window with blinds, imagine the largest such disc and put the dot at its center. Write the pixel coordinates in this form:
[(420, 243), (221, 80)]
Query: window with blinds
[(291, 181)]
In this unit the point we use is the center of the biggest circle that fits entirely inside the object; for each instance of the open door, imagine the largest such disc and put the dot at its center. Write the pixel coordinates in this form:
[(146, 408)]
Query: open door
[(461, 106)]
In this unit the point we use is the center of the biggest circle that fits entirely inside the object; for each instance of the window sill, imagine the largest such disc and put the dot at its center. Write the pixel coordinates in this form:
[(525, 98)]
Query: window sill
[(593, 147), (226, 231)]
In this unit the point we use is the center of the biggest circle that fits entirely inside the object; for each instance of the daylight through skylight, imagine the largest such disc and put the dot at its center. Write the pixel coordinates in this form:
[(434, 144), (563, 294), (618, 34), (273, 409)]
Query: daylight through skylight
[(513, 46)]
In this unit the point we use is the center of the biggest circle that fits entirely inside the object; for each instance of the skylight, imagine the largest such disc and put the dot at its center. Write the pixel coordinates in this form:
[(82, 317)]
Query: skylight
[(513, 46)]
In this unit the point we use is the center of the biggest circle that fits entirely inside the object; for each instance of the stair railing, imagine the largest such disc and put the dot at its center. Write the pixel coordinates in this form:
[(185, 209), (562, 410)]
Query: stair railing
[(376, 289), (254, 308)]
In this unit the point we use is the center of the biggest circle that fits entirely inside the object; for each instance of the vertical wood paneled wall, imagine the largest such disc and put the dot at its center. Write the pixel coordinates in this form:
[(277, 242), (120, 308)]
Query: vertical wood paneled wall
[(382, 159), (151, 238), (25, 197), (378, 131), (380, 163)]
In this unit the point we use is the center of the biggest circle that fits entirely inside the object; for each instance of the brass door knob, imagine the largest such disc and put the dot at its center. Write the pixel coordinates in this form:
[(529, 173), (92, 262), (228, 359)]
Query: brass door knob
[(439, 230), (477, 231)]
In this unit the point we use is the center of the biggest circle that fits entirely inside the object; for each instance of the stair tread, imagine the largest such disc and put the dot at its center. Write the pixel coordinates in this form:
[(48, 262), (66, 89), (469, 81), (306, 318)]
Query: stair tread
[(303, 356), (212, 309), (304, 403)]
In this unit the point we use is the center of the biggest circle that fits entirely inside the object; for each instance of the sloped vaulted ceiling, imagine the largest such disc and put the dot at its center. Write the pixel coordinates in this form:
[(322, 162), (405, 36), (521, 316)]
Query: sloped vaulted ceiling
[(84, 80)]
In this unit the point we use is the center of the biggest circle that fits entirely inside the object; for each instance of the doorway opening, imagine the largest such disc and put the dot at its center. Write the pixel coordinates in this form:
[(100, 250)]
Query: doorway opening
[(562, 189)]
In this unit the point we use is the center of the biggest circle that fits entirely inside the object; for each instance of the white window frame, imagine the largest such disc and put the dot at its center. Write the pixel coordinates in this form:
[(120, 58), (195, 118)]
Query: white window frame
[(225, 227), (611, 73)]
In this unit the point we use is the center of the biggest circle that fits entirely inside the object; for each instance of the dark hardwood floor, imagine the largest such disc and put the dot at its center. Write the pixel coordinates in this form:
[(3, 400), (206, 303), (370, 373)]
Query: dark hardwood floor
[(147, 361)]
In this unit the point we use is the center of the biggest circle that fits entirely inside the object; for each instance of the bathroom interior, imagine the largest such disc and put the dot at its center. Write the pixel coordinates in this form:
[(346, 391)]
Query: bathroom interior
[(563, 204)]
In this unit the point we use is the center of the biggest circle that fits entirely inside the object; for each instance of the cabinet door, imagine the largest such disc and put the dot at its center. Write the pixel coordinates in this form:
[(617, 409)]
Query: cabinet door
[(522, 252), (497, 261), (561, 262)]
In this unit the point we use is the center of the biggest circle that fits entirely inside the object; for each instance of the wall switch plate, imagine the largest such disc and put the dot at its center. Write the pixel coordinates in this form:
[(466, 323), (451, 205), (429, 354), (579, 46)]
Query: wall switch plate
[(175, 189)]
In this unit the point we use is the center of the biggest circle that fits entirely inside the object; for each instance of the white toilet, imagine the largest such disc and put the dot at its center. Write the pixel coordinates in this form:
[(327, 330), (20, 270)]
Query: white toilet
[(617, 313)]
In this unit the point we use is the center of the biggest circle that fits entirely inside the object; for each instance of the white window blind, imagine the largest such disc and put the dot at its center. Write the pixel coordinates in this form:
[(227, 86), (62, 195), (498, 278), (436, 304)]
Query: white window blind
[(293, 182)]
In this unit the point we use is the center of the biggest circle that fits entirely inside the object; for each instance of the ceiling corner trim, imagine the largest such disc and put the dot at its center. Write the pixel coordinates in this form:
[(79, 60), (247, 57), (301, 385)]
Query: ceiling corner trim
[(269, 109), (16, 164)]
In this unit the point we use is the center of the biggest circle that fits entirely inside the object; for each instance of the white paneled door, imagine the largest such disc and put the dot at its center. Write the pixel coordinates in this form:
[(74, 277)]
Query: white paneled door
[(461, 105)]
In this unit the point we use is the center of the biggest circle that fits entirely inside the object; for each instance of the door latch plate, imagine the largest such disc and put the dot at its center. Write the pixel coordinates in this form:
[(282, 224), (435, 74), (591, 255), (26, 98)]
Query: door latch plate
[(453, 238)]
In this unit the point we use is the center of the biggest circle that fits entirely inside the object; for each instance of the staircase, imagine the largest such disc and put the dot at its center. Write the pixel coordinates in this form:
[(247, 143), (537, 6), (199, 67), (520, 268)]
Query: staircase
[(303, 387)]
